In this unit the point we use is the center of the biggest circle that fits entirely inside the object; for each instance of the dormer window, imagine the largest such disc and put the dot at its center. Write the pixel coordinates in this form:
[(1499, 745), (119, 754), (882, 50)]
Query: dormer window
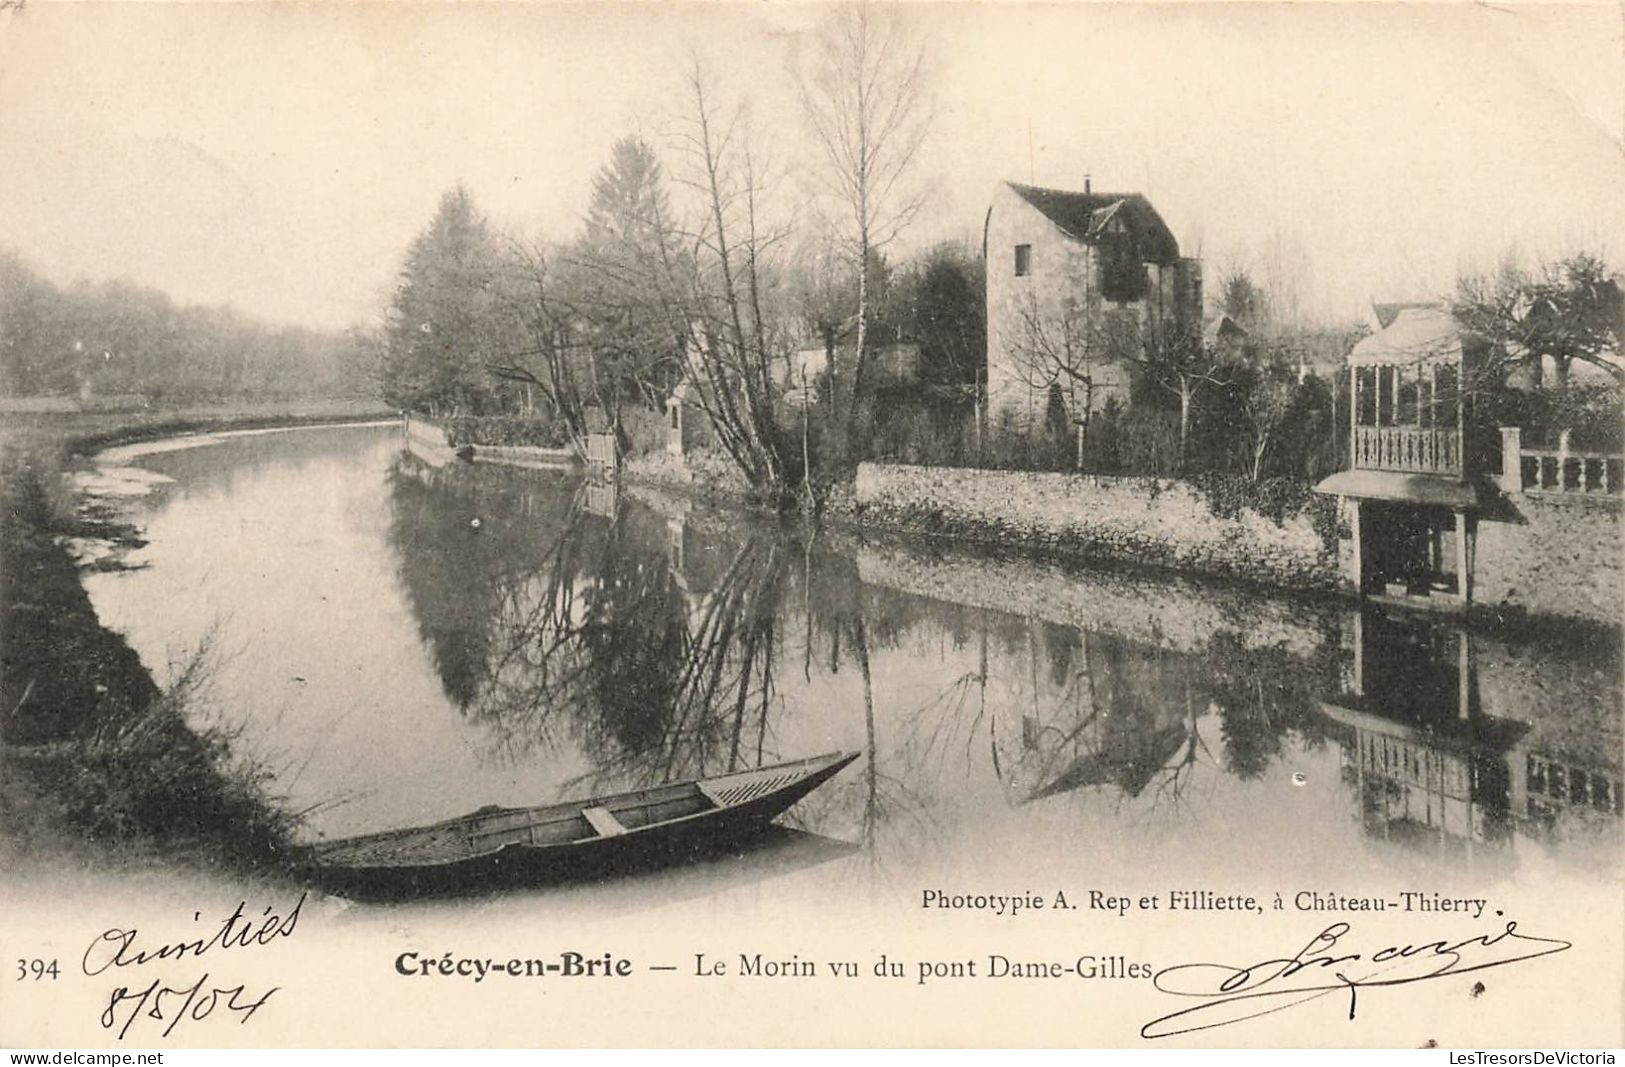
[(1024, 260)]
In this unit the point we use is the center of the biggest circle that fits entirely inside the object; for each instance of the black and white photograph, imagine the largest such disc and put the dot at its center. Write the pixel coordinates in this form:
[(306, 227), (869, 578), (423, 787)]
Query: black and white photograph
[(801, 525)]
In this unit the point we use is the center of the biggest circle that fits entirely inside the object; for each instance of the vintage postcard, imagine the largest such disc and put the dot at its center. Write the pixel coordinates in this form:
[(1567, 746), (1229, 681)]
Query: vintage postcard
[(782, 525)]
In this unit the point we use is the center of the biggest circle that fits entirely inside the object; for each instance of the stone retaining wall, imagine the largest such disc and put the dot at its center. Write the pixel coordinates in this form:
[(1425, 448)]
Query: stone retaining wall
[(525, 456), (701, 473), (1144, 520), (1552, 554)]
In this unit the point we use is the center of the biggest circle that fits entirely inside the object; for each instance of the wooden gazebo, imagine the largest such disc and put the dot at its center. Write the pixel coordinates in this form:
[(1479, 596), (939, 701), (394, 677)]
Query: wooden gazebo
[(1408, 476)]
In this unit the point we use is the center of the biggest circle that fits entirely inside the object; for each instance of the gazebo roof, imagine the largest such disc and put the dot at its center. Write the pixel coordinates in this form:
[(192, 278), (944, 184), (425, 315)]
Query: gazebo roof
[(1429, 489), (1416, 335)]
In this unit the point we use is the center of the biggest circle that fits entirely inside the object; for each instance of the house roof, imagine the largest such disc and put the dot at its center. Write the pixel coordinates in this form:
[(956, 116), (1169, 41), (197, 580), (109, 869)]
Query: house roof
[(1222, 328), (1385, 314), (1131, 771), (1084, 216)]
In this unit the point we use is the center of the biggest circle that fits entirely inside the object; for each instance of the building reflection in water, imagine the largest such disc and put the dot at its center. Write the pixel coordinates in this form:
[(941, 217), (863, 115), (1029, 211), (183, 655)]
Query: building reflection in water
[(1097, 711), (1460, 743), (619, 637)]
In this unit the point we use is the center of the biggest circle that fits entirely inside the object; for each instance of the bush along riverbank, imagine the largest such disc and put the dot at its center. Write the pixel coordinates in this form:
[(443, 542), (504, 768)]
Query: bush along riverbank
[(92, 752)]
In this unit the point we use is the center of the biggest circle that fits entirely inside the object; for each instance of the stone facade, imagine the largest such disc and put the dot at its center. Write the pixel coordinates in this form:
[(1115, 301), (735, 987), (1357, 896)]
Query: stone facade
[(1552, 554), (1058, 299), (1142, 520)]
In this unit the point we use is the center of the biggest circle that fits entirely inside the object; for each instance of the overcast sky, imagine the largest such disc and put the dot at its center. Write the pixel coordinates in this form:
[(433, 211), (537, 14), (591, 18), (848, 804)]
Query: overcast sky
[(280, 158)]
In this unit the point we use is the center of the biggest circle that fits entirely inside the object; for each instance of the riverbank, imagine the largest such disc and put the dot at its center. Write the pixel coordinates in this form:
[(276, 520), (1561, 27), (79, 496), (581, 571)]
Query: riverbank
[(59, 436), (1541, 560), (96, 761)]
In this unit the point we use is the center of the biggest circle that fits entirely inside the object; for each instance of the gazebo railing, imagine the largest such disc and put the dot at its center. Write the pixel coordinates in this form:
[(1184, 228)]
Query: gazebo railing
[(1408, 449)]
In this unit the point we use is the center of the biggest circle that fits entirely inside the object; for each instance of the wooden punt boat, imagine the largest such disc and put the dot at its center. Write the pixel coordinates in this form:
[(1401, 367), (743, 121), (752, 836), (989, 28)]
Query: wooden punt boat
[(579, 838)]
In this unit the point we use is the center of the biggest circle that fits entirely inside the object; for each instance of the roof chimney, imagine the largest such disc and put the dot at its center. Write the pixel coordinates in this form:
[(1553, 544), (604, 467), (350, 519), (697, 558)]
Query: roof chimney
[(1086, 185)]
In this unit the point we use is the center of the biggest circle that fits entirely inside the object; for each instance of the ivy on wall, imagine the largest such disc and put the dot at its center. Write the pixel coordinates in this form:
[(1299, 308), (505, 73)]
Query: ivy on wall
[(1277, 499)]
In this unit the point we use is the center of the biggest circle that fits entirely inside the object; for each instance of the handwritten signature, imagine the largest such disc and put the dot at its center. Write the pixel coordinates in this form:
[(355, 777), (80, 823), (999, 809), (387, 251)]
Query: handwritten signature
[(120, 947), (1232, 994)]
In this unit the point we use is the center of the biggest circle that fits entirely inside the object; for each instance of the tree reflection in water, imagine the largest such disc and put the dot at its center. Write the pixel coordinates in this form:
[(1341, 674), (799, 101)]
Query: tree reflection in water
[(570, 623), (652, 639)]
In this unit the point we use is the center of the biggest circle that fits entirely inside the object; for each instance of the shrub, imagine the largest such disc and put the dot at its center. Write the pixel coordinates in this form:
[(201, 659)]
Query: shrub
[(1277, 499), (1148, 442), (505, 430)]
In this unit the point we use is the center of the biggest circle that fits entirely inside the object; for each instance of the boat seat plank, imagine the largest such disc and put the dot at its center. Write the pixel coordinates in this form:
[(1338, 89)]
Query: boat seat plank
[(604, 821)]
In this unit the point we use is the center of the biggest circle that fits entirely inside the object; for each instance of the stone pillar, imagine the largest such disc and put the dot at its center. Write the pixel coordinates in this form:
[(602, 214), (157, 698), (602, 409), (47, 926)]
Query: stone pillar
[(1354, 575), (1354, 637), (1464, 670), (674, 427), (1563, 463), (1511, 459), (1464, 577)]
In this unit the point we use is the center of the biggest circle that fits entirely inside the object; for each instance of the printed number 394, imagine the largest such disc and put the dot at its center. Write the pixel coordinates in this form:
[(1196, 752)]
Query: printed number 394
[(38, 970)]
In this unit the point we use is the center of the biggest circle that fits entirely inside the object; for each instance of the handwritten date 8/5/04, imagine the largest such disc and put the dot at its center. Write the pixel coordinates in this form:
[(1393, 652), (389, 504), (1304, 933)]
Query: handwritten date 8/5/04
[(122, 949), (170, 1004)]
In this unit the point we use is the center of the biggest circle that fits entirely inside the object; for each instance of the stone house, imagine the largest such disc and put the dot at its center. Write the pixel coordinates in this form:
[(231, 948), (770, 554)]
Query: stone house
[(891, 364), (1073, 278)]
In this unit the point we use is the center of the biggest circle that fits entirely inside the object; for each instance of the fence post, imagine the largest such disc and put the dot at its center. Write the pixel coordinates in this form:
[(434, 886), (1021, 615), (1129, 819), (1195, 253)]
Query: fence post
[(1511, 459), (1563, 462)]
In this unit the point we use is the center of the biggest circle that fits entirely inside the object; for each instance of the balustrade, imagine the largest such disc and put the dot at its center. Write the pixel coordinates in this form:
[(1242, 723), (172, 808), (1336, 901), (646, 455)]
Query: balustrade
[(1557, 470), (1396, 448)]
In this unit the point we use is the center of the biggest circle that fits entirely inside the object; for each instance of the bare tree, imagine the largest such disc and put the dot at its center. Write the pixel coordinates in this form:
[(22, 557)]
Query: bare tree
[(731, 350), (540, 354), (1564, 311), (1265, 405), (1285, 266), (823, 293), (1059, 351), (1175, 360), (865, 104)]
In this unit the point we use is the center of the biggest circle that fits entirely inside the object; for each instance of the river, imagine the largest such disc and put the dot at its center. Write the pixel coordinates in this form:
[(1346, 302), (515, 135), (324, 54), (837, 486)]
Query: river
[(395, 642), (401, 643)]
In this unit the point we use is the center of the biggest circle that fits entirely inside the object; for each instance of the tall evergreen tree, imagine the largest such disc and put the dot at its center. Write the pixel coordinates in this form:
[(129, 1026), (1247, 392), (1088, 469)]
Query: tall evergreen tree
[(624, 279), (443, 319)]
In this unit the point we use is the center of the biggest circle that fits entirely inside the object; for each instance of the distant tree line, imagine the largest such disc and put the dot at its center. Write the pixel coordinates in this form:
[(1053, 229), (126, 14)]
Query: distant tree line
[(97, 339)]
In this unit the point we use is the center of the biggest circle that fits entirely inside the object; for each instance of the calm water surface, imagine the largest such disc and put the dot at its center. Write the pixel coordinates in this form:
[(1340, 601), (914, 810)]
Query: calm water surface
[(404, 643)]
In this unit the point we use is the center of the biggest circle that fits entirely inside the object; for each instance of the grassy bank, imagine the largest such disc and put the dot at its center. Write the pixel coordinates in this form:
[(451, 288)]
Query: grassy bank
[(94, 757)]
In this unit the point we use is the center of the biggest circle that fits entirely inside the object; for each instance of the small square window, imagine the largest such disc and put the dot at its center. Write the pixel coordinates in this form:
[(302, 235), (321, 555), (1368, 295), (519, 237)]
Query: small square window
[(1024, 260)]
